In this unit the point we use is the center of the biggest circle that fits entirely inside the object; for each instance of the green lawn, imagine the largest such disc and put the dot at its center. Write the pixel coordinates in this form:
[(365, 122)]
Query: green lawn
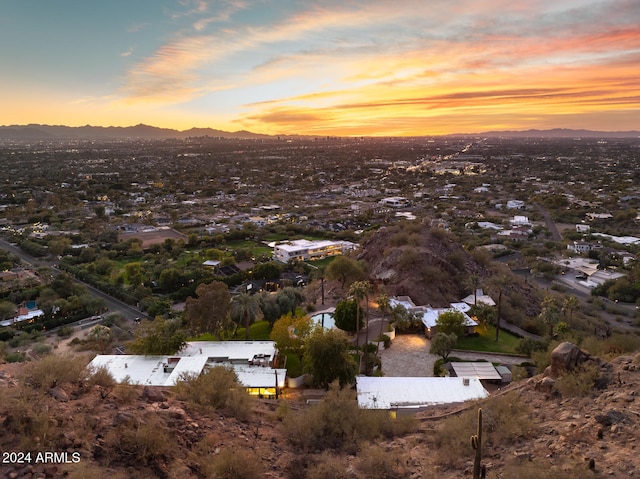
[(257, 331), (486, 341), (294, 367), (257, 249)]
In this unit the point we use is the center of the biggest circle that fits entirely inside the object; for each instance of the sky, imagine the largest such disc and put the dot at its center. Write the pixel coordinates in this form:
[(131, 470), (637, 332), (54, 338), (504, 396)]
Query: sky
[(322, 67)]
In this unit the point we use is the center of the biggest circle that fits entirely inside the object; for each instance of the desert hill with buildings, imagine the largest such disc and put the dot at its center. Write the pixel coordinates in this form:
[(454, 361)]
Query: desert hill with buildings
[(430, 266), (534, 428)]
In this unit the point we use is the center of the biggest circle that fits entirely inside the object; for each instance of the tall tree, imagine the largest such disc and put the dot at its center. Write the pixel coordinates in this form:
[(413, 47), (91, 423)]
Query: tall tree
[(499, 284), (360, 290), (345, 270), (210, 311), (289, 299), (326, 358), (384, 306), (245, 308), (159, 337), (290, 333), (473, 282), (346, 315), (451, 322), (569, 305), (442, 344), (549, 313)]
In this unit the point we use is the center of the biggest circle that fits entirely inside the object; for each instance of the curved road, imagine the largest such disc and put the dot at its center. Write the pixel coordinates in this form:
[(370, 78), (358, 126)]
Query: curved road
[(113, 305), (551, 226)]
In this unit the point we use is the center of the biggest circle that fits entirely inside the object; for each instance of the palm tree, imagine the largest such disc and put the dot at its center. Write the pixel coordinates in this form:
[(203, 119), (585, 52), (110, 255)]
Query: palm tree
[(246, 308), (356, 291), (360, 290), (499, 284), (569, 305), (384, 305), (474, 283), (550, 313)]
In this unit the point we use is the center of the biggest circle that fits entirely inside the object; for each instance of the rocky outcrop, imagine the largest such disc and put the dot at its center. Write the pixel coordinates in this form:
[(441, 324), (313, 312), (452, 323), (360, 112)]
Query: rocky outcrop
[(565, 357)]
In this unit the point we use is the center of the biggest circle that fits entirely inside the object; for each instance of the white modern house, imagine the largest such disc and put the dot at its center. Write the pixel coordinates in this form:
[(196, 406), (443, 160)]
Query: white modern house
[(429, 315), (395, 201), (305, 250), (414, 394), (515, 204), (252, 362)]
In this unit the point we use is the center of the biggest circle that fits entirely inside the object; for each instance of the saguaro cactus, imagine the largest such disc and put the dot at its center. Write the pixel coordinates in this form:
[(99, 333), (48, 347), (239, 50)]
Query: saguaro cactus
[(476, 443)]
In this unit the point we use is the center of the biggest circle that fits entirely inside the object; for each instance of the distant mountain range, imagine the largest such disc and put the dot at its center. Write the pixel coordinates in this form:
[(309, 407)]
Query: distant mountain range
[(560, 133), (60, 132), (49, 132)]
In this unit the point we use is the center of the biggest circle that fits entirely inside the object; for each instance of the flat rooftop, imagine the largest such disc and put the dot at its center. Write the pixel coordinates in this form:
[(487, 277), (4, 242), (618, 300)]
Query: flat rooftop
[(416, 392), (249, 359)]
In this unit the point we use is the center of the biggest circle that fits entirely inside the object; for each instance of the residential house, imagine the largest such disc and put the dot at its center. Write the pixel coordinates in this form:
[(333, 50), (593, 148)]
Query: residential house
[(414, 394), (252, 361), (395, 201), (583, 246), (515, 204), (429, 315), (305, 250)]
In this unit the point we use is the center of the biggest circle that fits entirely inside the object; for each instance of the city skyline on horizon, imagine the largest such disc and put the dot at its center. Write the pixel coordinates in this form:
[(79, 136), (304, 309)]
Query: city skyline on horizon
[(323, 68)]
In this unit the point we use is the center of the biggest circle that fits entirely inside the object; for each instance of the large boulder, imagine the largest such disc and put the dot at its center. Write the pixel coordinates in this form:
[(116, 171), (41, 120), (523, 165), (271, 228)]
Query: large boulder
[(152, 394), (565, 357), (59, 394)]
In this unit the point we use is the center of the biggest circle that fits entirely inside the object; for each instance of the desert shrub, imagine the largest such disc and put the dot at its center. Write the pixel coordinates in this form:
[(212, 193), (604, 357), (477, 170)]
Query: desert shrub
[(537, 470), (41, 349), (505, 418), (378, 463), (399, 239), (216, 388), (327, 466), (138, 442), (439, 233), (457, 259), (519, 372), (102, 380), (409, 257), (65, 331), (481, 256), (579, 382), (623, 343), (527, 346), (16, 357), (431, 273), (534, 326), (125, 393), (337, 423), (26, 414), (51, 370), (233, 464)]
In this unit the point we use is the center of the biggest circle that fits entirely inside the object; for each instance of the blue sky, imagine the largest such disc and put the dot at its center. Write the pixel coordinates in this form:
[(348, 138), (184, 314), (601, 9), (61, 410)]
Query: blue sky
[(325, 67)]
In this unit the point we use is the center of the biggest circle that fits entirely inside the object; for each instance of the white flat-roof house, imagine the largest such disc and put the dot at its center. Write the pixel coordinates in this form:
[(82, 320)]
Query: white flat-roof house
[(251, 360), (413, 394), (395, 201), (304, 250), (430, 315)]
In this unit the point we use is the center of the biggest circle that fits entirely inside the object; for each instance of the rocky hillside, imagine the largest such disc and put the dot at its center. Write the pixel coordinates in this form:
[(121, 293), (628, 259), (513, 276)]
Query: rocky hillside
[(535, 428), (431, 267)]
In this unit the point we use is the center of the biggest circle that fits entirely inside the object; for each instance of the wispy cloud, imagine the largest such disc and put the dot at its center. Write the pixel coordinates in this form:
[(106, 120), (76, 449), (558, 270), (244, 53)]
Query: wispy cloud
[(127, 53), (335, 62)]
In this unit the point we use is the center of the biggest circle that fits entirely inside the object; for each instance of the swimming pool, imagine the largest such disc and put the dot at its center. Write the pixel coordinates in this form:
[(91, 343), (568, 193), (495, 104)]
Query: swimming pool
[(325, 319)]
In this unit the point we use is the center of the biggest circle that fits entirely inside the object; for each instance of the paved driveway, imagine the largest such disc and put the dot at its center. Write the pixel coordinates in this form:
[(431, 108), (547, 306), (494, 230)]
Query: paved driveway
[(409, 356)]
